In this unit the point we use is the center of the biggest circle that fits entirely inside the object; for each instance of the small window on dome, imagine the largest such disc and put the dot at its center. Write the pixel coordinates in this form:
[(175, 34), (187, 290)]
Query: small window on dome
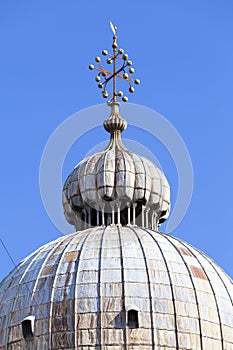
[(133, 319), (28, 325)]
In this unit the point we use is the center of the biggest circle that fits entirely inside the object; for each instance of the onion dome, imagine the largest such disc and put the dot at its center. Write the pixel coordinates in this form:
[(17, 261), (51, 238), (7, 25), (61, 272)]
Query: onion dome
[(116, 288), (116, 186)]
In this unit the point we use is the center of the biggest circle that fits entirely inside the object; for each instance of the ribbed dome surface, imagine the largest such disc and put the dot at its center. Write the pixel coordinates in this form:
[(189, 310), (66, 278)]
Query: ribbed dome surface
[(116, 178), (116, 175), (81, 287)]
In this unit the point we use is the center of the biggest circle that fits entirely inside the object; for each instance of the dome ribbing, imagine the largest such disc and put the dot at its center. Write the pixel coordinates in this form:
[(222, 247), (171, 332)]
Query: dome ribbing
[(120, 285), (82, 289), (116, 186)]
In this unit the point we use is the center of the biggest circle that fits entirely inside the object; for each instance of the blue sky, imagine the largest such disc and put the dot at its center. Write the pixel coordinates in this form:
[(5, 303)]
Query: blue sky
[(182, 52)]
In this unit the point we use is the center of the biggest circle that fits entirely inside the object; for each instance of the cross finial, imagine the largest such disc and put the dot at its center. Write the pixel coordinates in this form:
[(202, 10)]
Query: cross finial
[(124, 70)]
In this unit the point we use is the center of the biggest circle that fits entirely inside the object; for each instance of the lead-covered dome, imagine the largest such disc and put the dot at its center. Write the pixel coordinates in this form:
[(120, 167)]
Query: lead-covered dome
[(120, 285), (116, 288), (116, 180)]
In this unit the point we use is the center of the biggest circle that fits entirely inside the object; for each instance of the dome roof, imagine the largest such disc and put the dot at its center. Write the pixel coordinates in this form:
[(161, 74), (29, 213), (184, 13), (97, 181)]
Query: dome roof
[(113, 288), (116, 178)]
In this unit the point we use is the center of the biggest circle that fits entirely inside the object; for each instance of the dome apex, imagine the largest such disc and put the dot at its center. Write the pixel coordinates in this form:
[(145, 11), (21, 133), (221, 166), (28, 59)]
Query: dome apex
[(116, 186)]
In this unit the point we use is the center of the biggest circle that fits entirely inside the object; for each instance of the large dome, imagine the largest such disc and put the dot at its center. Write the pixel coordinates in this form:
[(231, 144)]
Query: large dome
[(117, 288)]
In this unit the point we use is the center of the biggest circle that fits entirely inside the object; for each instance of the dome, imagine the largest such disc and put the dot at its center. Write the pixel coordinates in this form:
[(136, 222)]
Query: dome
[(116, 283), (116, 180), (117, 288)]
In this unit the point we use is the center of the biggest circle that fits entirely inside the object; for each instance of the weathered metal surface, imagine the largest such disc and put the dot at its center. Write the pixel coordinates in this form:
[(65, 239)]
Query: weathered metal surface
[(116, 177), (80, 287)]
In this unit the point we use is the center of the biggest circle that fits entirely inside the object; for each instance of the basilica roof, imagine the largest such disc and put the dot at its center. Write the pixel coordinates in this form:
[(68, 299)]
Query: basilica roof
[(117, 283), (81, 288)]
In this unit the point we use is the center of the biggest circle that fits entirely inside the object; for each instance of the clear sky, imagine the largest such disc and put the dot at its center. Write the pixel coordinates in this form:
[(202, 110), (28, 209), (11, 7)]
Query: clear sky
[(183, 54)]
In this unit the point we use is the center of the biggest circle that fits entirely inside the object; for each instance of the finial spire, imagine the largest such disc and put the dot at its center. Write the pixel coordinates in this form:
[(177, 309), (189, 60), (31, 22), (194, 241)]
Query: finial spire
[(123, 71), (114, 28)]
